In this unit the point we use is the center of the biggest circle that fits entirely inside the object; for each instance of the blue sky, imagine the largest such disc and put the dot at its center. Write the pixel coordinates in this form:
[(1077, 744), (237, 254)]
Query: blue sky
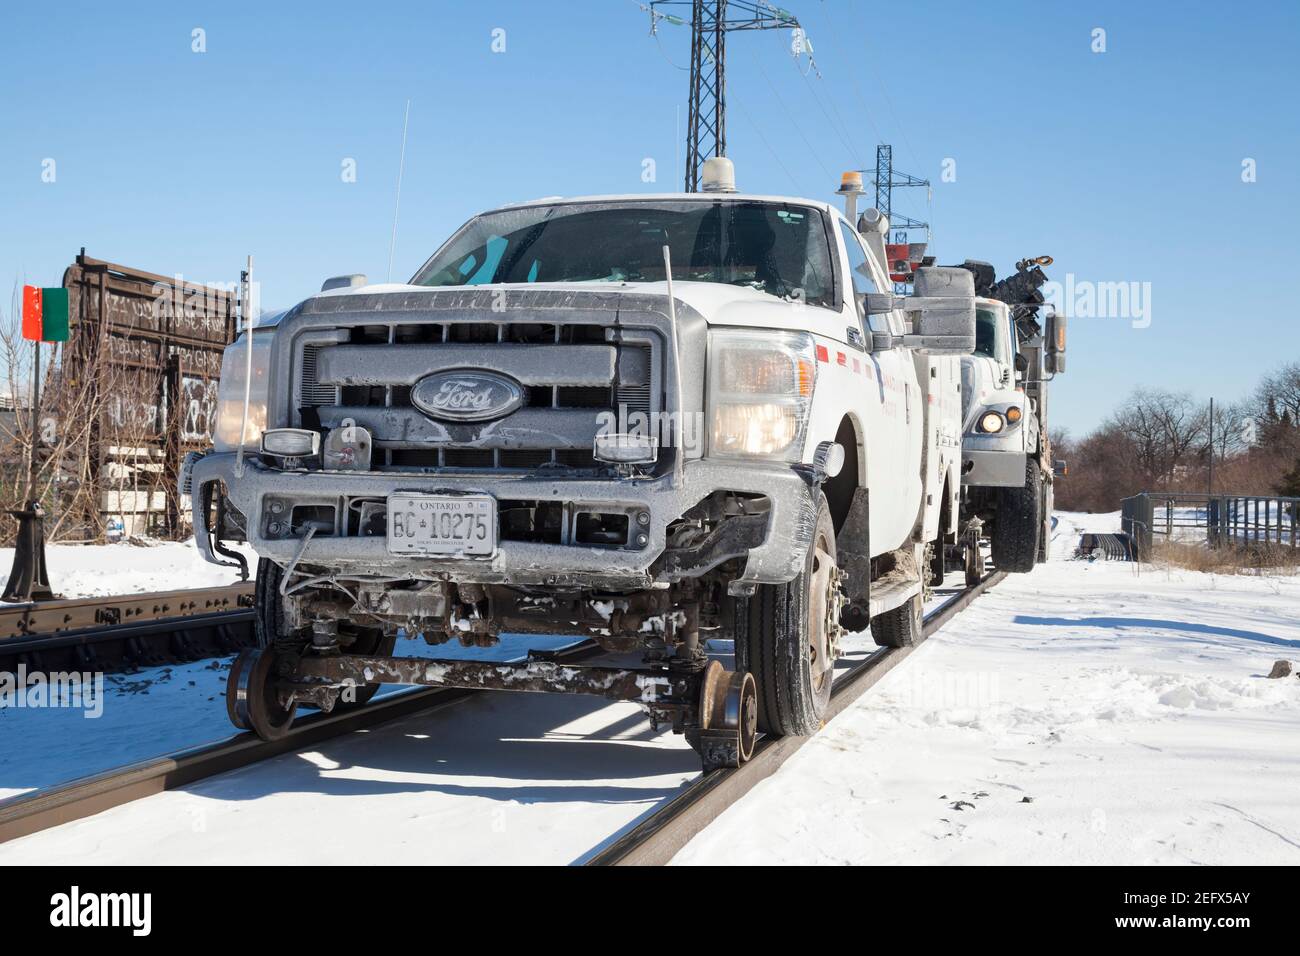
[(1125, 165)]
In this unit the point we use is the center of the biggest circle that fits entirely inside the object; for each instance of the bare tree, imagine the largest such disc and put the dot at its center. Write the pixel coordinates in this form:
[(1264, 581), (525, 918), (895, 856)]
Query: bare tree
[(1278, 395), (1165, 430)]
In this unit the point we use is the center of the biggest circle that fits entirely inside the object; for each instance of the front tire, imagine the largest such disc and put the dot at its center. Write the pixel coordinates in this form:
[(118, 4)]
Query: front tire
[(787, 638), (1018, 523), (271, 623)]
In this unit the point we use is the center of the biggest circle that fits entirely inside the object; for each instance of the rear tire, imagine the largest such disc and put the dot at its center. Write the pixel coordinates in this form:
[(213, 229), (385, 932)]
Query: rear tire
[(1018, 524), (782, 640), (901, 627)]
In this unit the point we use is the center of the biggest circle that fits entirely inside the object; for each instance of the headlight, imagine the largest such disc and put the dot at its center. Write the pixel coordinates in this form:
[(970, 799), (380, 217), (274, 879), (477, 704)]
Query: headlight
[(991, 422), (230, 394), (760, 392)]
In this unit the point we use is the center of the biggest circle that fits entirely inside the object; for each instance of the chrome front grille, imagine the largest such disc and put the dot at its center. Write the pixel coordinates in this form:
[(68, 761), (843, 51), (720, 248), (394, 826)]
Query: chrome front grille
[(576, 377)]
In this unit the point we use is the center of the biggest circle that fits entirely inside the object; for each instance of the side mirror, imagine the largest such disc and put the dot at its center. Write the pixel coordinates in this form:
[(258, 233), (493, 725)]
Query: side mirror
[(353, 281), (1054, 342), (944, 309), (878, 303)]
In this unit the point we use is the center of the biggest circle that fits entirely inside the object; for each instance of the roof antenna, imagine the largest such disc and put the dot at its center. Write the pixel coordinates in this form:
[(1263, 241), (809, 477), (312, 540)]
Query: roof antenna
[(397, 204)]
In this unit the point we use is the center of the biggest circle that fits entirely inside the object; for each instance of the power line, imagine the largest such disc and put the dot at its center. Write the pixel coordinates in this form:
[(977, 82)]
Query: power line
[(799, 190), (853, 79), (793, 121), (842, 134)]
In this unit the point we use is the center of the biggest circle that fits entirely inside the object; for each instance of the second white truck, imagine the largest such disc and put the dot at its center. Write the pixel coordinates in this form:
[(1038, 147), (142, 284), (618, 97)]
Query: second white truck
[(1007, 468)]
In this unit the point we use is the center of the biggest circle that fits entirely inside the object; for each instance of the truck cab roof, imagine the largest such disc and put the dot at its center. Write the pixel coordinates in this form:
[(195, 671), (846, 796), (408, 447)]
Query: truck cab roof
[(825, 207)]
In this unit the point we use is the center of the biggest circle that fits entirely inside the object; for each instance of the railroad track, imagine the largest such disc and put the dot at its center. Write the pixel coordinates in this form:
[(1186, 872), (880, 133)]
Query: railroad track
[(120, 632), (32, 812), (652, 841), (655, 840), (1112, 547)]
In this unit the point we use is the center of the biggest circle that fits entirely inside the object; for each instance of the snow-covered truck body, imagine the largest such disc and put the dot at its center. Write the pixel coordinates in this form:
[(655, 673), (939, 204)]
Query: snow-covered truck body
[(547, 431)]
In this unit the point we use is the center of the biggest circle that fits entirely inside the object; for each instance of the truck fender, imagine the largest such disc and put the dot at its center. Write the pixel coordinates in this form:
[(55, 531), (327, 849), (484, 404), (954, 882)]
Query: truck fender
[(853, 555)]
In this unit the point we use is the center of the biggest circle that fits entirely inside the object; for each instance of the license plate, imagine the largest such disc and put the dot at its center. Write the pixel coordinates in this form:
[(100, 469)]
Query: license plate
[(442, 524)]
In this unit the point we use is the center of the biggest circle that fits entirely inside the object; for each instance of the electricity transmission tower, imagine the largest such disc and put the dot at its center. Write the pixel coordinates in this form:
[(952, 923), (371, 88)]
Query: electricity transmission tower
[(711, 21), (887, 179)]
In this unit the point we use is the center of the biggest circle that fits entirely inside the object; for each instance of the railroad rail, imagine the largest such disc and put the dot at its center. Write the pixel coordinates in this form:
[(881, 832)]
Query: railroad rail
[(117, 632), (656, 839), (652, 841), (32, 812)]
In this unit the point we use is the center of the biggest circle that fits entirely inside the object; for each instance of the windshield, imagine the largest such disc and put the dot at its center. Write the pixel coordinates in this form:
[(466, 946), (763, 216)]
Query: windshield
[(773, 247), (987, 340)]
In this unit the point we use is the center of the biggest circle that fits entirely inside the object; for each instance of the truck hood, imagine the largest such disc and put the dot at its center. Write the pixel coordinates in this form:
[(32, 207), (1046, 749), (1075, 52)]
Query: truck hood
[(719, 304)]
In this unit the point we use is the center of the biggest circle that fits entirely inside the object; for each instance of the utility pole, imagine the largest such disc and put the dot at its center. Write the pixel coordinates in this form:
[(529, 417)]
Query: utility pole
[(1210, 489), (711, 21)]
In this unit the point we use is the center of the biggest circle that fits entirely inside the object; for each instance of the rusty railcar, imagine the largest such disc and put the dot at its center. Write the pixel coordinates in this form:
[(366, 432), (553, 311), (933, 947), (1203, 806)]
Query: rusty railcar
[(142, 362)]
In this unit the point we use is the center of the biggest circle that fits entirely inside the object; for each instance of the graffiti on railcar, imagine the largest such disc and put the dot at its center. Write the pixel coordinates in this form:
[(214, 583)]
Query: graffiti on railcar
[(144, 360)]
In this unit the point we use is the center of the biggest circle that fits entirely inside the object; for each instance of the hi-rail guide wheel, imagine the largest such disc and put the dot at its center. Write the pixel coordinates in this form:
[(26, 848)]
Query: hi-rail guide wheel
[(252, 698), (728, 714)]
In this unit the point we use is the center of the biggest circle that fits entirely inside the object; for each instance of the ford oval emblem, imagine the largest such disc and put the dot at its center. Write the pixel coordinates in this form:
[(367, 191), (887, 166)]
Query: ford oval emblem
[(467, 395)]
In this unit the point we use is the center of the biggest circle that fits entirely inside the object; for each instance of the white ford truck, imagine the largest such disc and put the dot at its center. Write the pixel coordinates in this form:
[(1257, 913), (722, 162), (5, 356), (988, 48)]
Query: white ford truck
[(1007, 469), (649, 421)]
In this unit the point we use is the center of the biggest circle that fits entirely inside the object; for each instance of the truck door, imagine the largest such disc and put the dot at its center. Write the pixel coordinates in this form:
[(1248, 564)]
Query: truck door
[(889, 407)]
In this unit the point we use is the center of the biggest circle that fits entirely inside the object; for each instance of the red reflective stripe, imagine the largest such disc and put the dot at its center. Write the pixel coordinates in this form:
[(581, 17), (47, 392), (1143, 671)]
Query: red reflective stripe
[(857, 366), (841, 358), (822, 354)]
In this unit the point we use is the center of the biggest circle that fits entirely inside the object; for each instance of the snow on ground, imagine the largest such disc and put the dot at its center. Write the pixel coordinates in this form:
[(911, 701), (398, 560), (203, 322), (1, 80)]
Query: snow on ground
[(94, 569), (1089, 713)]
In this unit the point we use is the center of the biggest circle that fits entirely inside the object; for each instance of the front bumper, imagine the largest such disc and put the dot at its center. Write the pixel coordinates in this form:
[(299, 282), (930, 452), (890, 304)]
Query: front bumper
[(777, 559), (983, 468)]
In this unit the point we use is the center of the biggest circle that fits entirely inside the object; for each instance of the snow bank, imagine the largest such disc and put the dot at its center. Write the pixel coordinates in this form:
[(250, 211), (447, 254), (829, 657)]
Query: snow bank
[(99, 569), (1085, 713)]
